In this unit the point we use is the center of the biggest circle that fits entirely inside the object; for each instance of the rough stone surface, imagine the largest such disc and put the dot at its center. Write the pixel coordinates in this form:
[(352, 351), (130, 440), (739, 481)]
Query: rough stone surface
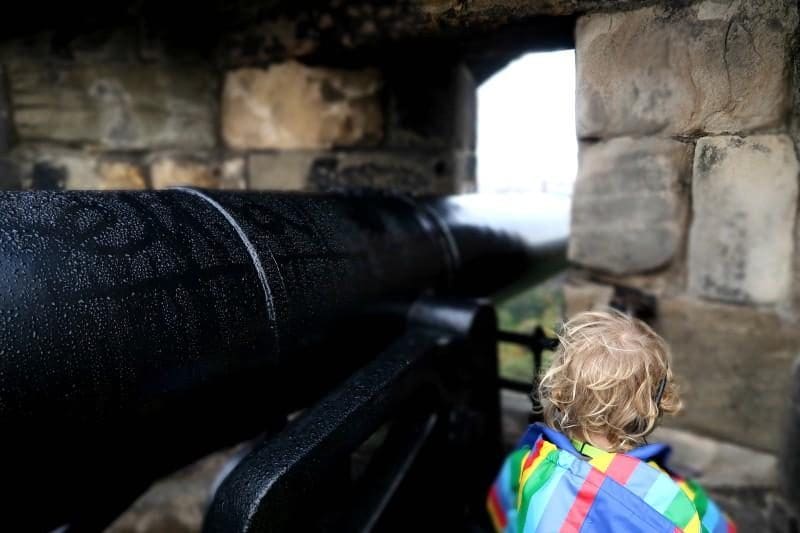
[(120, 174), (191, 171), (586, 296), (487, 11), (110, 44), (233, 173), (48, 168), (114, 106), (175, 504), (783, 515), (6, 126), (718, 464), (335, 28), (280, 171), (733, 366), (709, 67), (440, 113), (628, 204), (408, 171), (789, 476), (10, 175), (291, 106), (744, 201)]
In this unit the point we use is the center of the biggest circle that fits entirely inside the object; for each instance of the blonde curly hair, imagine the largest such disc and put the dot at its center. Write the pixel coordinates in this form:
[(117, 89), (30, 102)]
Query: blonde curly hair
[(605, 380)]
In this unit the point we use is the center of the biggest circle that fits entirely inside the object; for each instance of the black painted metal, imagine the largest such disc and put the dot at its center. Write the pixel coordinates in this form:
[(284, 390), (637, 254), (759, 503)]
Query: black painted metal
[(296, 481), (504, 241), (139, 330), (537, 343)]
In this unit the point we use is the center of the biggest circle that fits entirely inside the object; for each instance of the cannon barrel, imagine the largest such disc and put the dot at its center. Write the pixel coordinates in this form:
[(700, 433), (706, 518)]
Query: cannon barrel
[(170, 323)]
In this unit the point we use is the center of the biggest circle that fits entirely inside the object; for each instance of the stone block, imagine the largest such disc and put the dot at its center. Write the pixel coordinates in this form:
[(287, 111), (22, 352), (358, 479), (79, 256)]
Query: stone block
[(783, 515), (408, 171), (789, 475), (10, 175), (718, 464), (733, 365), (410, 28), (233, 173), (6, 126), (629, 204), (586, 296), (744, 202), (281, 171), (114, 106), (678, 70), (120, 175), (176, 171), (292, 106), (438, 114), (50, 168), (197, 170), (177, 503)]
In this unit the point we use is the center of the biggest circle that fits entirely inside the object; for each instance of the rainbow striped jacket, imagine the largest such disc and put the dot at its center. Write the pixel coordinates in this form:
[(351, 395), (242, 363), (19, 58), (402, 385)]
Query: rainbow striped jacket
[(546, 485)]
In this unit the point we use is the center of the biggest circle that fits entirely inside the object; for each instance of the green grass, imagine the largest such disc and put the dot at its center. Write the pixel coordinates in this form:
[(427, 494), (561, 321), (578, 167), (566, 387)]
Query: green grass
[(542, 305)]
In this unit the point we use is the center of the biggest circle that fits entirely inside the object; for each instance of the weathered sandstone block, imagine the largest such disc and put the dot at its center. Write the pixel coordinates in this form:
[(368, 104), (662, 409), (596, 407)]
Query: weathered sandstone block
[(708, 67), (47, 167), (410, 171), (205, 172), (733, 365), (629, 204), (744, 201), (114, 106), (291, 106)]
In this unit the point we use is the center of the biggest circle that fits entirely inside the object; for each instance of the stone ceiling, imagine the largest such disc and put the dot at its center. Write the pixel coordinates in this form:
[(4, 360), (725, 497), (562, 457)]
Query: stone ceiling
[(247, 32)]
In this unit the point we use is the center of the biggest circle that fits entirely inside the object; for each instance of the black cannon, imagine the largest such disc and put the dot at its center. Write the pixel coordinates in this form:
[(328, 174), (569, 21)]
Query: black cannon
[(142, 330)]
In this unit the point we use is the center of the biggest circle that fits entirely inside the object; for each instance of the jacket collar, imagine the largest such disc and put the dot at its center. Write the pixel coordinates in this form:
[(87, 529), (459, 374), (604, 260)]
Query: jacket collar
[(657, 452)]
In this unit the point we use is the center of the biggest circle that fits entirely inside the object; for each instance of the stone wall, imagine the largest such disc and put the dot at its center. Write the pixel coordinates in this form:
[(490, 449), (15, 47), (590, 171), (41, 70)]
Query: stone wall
[(113, 114), (687, 190)]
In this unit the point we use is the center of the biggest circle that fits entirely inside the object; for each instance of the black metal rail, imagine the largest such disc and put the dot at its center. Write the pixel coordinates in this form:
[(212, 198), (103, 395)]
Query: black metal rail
[(301, 479), (537, 342)]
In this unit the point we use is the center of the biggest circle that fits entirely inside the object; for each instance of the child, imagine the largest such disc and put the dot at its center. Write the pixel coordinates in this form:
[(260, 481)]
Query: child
[(588, 467)]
